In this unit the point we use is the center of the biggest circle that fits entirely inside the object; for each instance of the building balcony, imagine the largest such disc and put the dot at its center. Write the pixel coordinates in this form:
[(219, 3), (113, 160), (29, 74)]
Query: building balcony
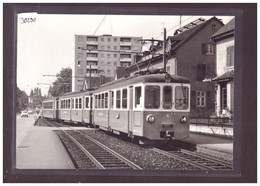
[(92, 58), (92, 51), (125, 59), (92, 66), (125, 43), (92, 74), (92, 42)]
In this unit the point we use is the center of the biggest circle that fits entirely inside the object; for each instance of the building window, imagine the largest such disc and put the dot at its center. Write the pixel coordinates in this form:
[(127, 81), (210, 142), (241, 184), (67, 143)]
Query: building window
[(223, 96), (79, 63), (80, 38), (115, 55), (201, 99), (92, 47), (213, 26), (201, 71), (108, 55), (102, 55), (80, 71), (92, 55), (115, 47), (92, 38), (125, 55), (125, 47), (115, 63), (208, 48), (115, 39), (108, 71), (108, 47), (102, 47), (80, 54), (125, 39), (108, 39), (230, 56), (91, 63), (102, 39)]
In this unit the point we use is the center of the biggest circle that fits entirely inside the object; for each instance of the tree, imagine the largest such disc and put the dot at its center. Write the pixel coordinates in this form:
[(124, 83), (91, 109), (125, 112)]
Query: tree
[(63, 84), (21, 100)]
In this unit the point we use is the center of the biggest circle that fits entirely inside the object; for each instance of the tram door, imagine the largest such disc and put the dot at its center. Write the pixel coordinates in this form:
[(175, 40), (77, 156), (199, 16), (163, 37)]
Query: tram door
[(57, 109), (91, 110), (131, 102)]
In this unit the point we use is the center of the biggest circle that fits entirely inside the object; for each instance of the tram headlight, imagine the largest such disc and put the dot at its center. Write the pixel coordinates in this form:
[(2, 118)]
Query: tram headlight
[(150, 118), (167, 77), (183, 119)]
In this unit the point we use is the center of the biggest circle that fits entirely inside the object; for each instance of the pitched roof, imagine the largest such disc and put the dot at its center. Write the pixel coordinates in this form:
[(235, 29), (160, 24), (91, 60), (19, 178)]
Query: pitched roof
[(224, 77), (177, 41), (182, 37), (228, 29)]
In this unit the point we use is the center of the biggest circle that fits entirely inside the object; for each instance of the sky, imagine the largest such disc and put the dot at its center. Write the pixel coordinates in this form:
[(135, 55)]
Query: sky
[(46, 46)]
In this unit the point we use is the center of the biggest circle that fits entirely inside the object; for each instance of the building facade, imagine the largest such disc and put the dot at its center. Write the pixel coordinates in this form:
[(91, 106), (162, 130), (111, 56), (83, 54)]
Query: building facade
[(191, 54), (97, 56), (225, 57)]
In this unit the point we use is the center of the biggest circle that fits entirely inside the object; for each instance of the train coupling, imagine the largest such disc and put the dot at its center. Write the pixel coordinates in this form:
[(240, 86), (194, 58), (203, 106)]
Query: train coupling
[(169, 134)]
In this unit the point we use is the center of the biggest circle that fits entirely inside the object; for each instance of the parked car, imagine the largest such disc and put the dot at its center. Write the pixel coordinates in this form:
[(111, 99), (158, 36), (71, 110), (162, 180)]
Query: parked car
[(24, 114), (30, 112)]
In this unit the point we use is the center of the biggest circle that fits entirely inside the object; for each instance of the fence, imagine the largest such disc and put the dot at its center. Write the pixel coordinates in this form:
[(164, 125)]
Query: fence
[(216, 121)]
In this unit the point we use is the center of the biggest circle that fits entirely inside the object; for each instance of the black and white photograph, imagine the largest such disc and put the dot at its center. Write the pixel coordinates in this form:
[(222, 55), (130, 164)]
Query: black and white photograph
[(121, 90)]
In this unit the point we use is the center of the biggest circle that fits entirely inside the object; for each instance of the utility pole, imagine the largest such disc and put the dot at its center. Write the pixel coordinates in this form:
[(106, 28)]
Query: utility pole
[(164, 49)]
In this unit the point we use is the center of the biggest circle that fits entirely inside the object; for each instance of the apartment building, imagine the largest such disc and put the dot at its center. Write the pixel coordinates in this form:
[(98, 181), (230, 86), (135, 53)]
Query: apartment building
[(97, 56)]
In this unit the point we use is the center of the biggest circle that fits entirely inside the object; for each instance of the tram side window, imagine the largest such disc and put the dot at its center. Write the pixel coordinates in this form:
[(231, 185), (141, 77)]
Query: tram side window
[(96, 101), (102, 100), (99, 98), (62, 104), (181, 97), (47, 105), (87, 102), (167, 97), (80, 103), (152, 97), (72, 106), (76, 103), (138, 95), (118, 98), (106, 100), (124, 98), (112, 99), (68, 103)]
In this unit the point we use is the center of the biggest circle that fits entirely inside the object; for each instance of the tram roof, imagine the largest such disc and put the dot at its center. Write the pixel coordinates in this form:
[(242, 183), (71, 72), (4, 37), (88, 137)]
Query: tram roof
[(151, 78)]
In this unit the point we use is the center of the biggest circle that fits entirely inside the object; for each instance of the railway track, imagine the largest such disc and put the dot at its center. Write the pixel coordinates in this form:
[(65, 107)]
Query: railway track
[(194, 159), (95, 152)]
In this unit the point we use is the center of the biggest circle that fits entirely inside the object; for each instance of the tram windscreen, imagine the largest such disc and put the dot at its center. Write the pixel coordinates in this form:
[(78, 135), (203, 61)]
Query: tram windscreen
[(181, 97), (167, 97), (152, 97)]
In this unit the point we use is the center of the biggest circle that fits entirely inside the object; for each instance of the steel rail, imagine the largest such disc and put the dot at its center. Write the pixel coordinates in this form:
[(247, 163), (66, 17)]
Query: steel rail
[(128, 162), (112, 152), (94, 160), (221, 162), (189, 162)]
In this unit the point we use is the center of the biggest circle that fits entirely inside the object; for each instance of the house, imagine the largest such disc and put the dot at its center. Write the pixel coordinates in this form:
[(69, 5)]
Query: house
[(225, 40), (190, 53)]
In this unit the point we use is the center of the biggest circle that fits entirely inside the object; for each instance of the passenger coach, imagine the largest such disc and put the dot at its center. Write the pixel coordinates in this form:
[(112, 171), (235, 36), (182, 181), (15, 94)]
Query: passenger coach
[(154, 106)]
